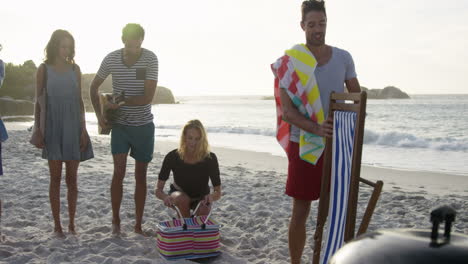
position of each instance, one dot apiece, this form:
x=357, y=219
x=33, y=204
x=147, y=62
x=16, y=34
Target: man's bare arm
x=294, y=117
x=147, y=98
x=353, y=85
x=94, y=94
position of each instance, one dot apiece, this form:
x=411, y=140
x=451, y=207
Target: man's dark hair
x=133, y=31
x=312, y=5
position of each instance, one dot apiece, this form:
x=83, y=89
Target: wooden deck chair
x=341, y=177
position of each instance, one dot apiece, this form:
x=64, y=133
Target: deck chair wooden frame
x=342, y=102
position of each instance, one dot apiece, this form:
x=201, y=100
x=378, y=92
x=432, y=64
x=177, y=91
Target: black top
x=192, y=178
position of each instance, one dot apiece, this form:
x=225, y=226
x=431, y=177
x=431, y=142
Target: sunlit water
x=426, y=133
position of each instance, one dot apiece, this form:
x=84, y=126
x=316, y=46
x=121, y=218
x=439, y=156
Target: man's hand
x=113, y=106
x=326, y=128
x=103, y=122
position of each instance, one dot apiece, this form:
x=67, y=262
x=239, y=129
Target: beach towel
x=342, y=153
x=189, y=238
x=295, y=72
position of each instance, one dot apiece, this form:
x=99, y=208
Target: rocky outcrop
x=17, y=93
x=163, y=96
x=11, y=107
x=389, y=92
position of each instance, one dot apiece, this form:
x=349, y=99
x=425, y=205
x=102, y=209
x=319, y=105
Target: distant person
x=192, y=166
x=335, y=69
x=134, y=72
x=65, y=138
x=3, y=134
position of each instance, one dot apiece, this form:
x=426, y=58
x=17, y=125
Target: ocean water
x=424, y=133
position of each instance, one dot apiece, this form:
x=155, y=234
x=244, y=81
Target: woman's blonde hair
x=203, y=148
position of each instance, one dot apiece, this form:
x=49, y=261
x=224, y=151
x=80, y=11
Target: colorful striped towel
x=342, y=152
x=295, y=72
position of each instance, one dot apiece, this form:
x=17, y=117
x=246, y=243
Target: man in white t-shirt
x=134, y=73
x=335, y=70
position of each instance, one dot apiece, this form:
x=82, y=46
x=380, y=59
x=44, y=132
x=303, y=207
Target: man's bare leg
x=55, y=169
x=72, y=194
x=297, y=229
x=140, y=193
x=120, y=165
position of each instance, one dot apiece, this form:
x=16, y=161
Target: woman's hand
x=169, y=201
x=38, y=139
x=83, y=140
x=207, y=200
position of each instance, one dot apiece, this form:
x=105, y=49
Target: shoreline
x=254, y=210
x=19, y=123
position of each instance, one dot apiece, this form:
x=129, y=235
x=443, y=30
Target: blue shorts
x=138, y=139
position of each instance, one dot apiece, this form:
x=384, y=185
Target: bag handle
x=182, y=219
x=209, y=214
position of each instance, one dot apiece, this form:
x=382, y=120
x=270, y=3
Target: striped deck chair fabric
x=195, y=241
x=342, y=152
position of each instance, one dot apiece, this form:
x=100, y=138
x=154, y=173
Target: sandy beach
x=254, y=210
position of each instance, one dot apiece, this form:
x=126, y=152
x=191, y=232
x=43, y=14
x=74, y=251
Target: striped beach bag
x=189, y=238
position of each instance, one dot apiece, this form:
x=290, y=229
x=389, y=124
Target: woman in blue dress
x=64, y=139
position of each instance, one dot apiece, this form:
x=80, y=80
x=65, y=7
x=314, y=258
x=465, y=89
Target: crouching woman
x=192, y=166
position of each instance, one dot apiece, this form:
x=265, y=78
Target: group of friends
x=64, y=139
x=60, y=127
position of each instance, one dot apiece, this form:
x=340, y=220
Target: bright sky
x=221, y=47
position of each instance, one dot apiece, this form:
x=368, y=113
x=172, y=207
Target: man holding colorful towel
x=304, y=78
